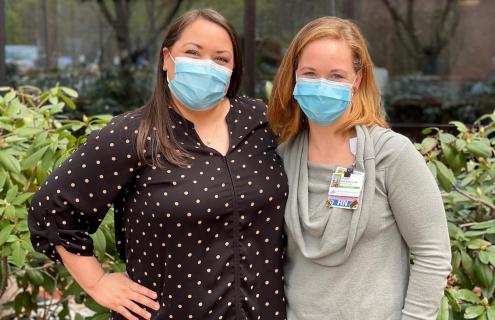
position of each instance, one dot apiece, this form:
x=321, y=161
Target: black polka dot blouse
x=208, y=238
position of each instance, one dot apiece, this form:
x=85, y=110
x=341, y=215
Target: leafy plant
x=35, y=138
x=464, y=165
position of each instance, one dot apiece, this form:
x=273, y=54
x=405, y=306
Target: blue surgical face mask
x=322, y=101
x=199, y=84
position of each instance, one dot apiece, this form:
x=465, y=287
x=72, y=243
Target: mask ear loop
x=353, y=82
x=168, y=81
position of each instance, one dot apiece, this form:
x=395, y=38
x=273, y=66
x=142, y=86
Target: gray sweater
x=354, y=264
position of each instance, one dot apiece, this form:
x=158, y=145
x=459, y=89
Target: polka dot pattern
x=207, y=237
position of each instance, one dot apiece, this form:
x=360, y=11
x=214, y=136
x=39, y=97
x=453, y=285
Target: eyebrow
x=200, y=47
x=313, y=69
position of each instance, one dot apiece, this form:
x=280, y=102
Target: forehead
x=206, y=34
x=326, y=53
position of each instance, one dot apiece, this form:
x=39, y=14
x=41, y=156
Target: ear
x=357, y=82
x=166, y=56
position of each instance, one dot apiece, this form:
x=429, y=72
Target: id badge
x=345, y=187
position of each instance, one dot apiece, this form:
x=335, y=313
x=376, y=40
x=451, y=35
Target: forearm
x=86, y=270
x=425, y=290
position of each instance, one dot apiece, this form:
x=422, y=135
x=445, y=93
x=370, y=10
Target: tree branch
x=443, y=35
x=405, y=28
x=163, y=26
x=106, y=13
x=169, y=17
x=471, y=197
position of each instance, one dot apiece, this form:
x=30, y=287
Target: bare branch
x=169, y=17
x=475, y=199
x=106, y=13
x=405, y=29
x=163, y=26
x=443, y=35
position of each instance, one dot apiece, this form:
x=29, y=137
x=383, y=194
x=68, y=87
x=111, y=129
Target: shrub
x=464, y=165
x=34, y=139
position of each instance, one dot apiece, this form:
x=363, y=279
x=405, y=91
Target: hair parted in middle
x=286, y=117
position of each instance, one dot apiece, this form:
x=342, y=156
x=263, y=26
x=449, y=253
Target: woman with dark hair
x=197, y=187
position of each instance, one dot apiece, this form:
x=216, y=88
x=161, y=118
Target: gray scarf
x=328, y=242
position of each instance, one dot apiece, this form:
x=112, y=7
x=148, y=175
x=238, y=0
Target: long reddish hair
x=286, y=117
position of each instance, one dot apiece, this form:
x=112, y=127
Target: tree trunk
x=3, y=75
x=249, y=47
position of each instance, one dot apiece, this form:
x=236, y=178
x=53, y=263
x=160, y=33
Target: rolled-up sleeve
x=72, y=202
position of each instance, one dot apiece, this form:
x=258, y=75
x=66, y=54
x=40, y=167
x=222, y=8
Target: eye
x=338, y=77
x=222, y=60
x=309, y=74
x=192, y=52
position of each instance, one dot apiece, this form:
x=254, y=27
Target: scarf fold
x=328, y=241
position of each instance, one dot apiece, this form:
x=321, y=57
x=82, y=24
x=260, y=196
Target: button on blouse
x=208, y=237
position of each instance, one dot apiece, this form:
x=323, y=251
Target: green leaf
x=11, y=194
x=3, y=178
x=22, y=300
x=21, y=198
x=35, y=276
x=9, y=162
x=445, y=176
x=70, y=92
x=9, y=212
x=476, y=244
x=474, y=312
x=48, y=283
x=468, y=295
x=428, y=144
x=99, y=241
x=79, y=317
x=4, y=233
x=447, y=138
x=484, y=225
x=490, y=313
x=9, y=96
x=27, y=132
x=491, y=257
x=33, y=159
x=443, y=312
x=484, y=257
x=467, y=264
x=432, y=168
x=453, y=158
x=93, y=305
x=18, y=254
x=483, y=274
x=101, y=316
x=452, y=296
x=73, y=290
x=68, y=102
x=460, y=144
x=454, y=231
x=456, y=260
x=471, y=234
x=426, y=131
x=460, y=126
x=479, y=149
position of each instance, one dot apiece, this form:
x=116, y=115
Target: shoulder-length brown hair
x=156, y=122
x=286, y=117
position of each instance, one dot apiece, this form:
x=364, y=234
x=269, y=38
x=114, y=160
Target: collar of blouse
x=243, y=119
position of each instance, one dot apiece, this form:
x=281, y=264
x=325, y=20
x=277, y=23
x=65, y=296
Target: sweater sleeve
x=418, y=209
x=72, y=202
